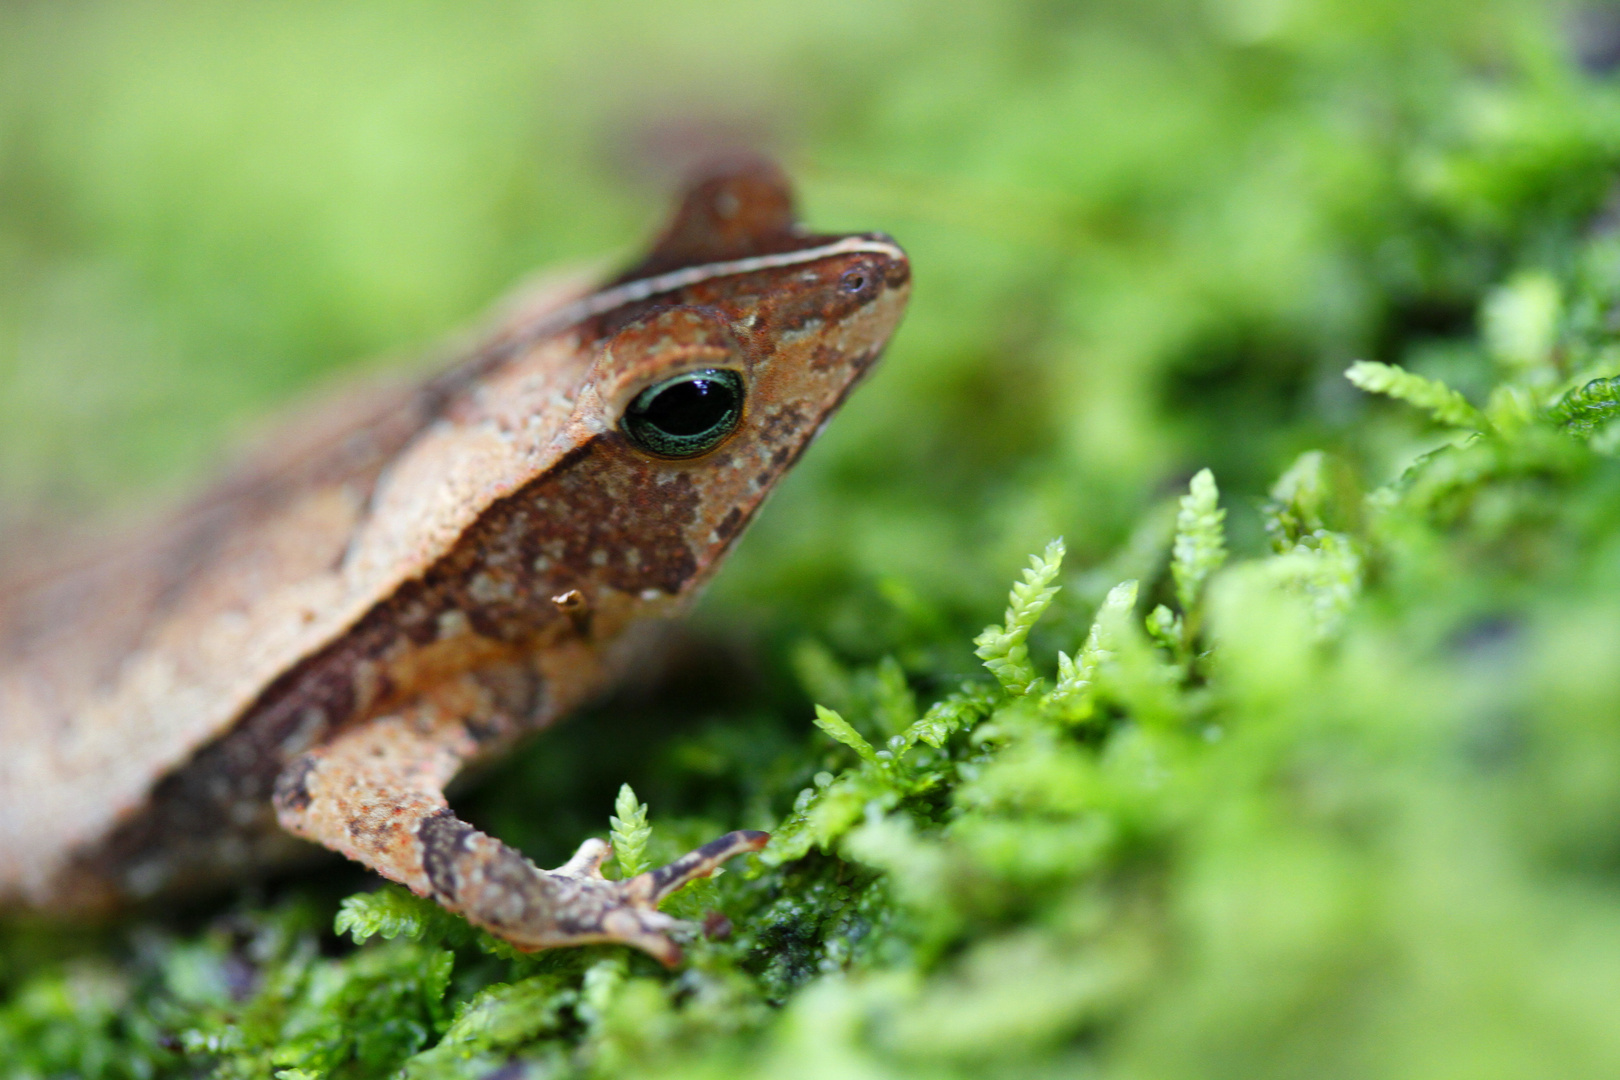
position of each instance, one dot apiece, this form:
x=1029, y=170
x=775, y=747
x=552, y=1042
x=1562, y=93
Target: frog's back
x=119, y=660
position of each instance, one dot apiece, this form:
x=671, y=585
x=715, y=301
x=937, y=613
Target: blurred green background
x=1148, y=237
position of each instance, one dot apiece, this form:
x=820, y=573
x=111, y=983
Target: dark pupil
x=686, y=415
x=689, y=408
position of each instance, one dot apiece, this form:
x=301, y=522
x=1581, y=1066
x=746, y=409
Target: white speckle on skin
x=650, y=595
x=311, y=722
x=489, y=589
x=599, y=557
x=453, y=624
x=793, y=337
x=147, y=878
x=632, y=558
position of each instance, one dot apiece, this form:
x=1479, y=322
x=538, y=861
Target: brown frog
x=410, y=580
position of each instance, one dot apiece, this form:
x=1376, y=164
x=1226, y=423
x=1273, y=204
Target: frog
x=403, y=583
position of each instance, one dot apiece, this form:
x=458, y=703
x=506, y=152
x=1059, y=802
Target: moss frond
x=1200, y=545
x=1003, y=648
x=1589, y=408
x=1436, y=398
x=629, y=833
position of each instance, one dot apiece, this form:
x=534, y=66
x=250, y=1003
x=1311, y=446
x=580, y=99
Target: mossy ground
x=1332, y=790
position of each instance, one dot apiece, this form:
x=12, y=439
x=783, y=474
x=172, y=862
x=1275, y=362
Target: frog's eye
x=687, y=415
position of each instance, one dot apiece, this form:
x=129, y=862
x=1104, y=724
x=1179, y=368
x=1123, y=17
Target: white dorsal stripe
x=630, y=292
x=605, y=300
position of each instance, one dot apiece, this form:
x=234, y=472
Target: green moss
x=1314, y=773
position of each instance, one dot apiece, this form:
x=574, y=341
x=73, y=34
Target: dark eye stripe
x=686, y=415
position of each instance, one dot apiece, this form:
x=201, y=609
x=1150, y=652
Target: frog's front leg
x=376, y=794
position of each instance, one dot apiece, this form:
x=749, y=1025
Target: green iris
x=687, y=415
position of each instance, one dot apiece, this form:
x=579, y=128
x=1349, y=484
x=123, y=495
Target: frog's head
x=722, y=355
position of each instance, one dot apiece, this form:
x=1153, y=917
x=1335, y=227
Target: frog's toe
x=655, y=885
x=636, y=920
x=626, y=912
x=587, y=861
x=646, y=929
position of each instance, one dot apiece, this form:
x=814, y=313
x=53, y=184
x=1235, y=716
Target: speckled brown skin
x=417, y=578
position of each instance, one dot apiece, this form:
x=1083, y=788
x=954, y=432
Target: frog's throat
x=599, y=303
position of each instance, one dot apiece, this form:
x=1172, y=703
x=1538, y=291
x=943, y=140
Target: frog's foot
x=581, y=905
x=376, y=794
